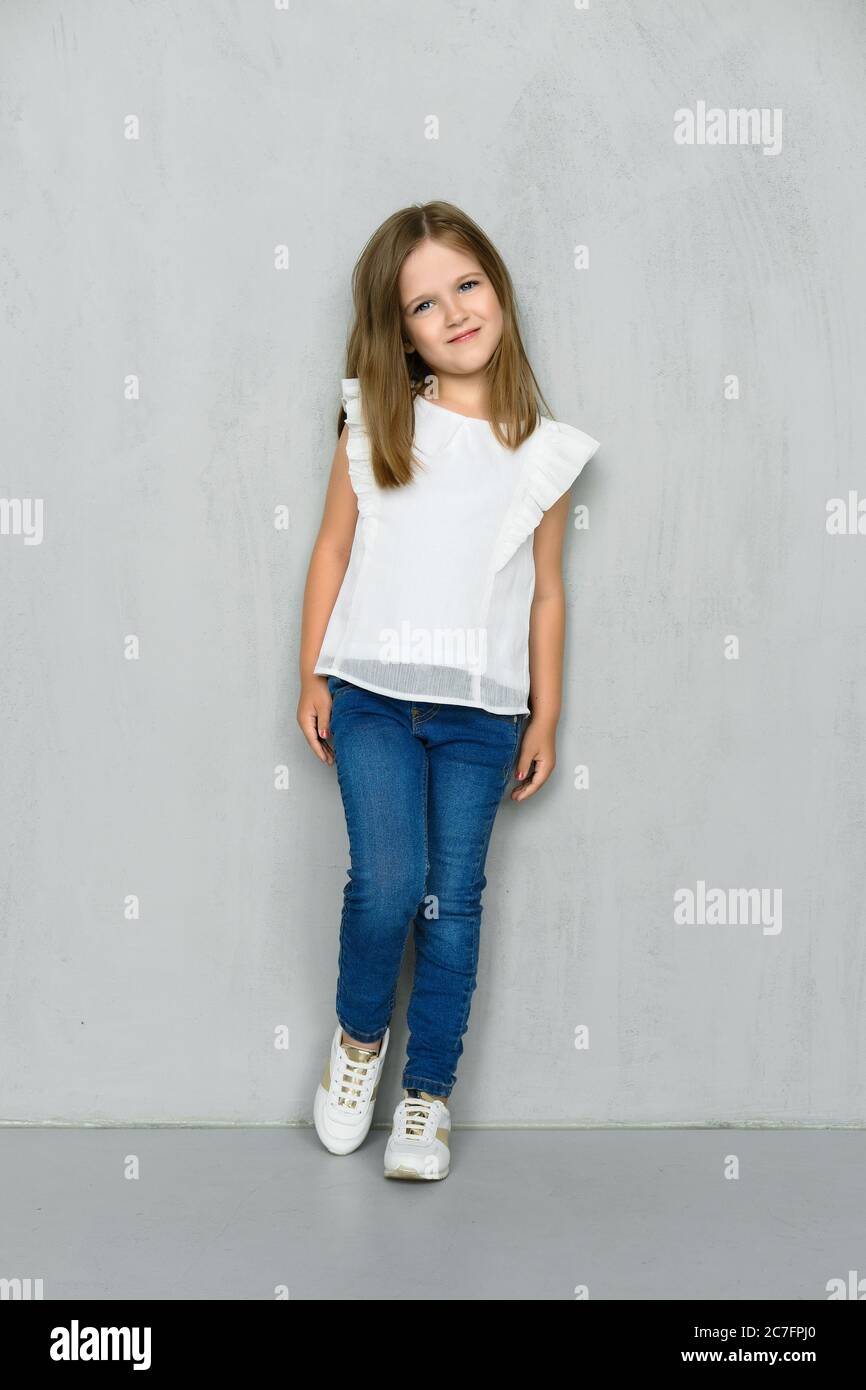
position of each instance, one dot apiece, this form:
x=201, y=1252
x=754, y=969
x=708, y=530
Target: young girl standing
x=431, y=648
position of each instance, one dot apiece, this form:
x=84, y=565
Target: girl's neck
x=464, y=396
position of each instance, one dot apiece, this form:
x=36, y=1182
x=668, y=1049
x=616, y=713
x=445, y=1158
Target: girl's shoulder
x=555, y=454
x=562, y=449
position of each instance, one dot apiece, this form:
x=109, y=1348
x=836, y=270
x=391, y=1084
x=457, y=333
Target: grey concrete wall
x=167, y=387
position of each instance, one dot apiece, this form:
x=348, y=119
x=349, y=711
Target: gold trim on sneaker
x=359, y=1054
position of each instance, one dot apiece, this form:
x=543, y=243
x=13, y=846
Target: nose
x=454, y=315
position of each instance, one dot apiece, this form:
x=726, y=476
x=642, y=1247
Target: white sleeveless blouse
x=435, y=602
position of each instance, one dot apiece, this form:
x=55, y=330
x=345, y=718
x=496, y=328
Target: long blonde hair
x=390, y=378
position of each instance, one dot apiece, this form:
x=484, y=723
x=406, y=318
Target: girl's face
x=445, y=296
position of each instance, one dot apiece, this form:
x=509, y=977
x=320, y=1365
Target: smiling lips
x=464, y=337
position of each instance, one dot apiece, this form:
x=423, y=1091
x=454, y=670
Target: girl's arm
x=546, y=642
x=328, y=565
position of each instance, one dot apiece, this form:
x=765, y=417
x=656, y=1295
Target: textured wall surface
x=174, y=855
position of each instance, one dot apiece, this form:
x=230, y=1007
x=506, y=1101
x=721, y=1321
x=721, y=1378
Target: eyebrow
x=419, y=298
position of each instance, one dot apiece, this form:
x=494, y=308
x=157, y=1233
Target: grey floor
x=524, y=1214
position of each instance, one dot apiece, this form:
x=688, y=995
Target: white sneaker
x=418, y=1147
x=346, y=1096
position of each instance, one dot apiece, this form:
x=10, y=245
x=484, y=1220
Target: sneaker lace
x=353, y=1082
x=414, y=1117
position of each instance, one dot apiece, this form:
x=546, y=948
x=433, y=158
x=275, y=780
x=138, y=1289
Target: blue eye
x=429, y=301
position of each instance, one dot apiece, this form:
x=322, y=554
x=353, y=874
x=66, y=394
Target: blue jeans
x=421, y=785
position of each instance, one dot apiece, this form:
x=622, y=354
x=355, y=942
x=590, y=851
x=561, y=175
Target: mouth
x=465, y=337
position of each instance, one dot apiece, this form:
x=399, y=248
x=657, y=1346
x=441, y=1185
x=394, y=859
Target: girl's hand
x=538, y=743
x=314, y=714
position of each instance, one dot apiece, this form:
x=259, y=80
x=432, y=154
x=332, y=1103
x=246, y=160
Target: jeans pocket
x=336, y=686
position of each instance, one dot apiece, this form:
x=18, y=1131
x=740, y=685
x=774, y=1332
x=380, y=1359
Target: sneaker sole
x=411, y=1174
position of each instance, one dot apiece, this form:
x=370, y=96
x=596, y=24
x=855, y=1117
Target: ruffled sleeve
x=556, y=455
x=358, y=448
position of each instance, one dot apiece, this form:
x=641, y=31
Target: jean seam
x=522, y=720
x=426, y=1083
x=470, y=987
x=359, y=1033
x=340, y=956
x=424, y=790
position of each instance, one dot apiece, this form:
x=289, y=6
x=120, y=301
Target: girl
x=431, y=648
